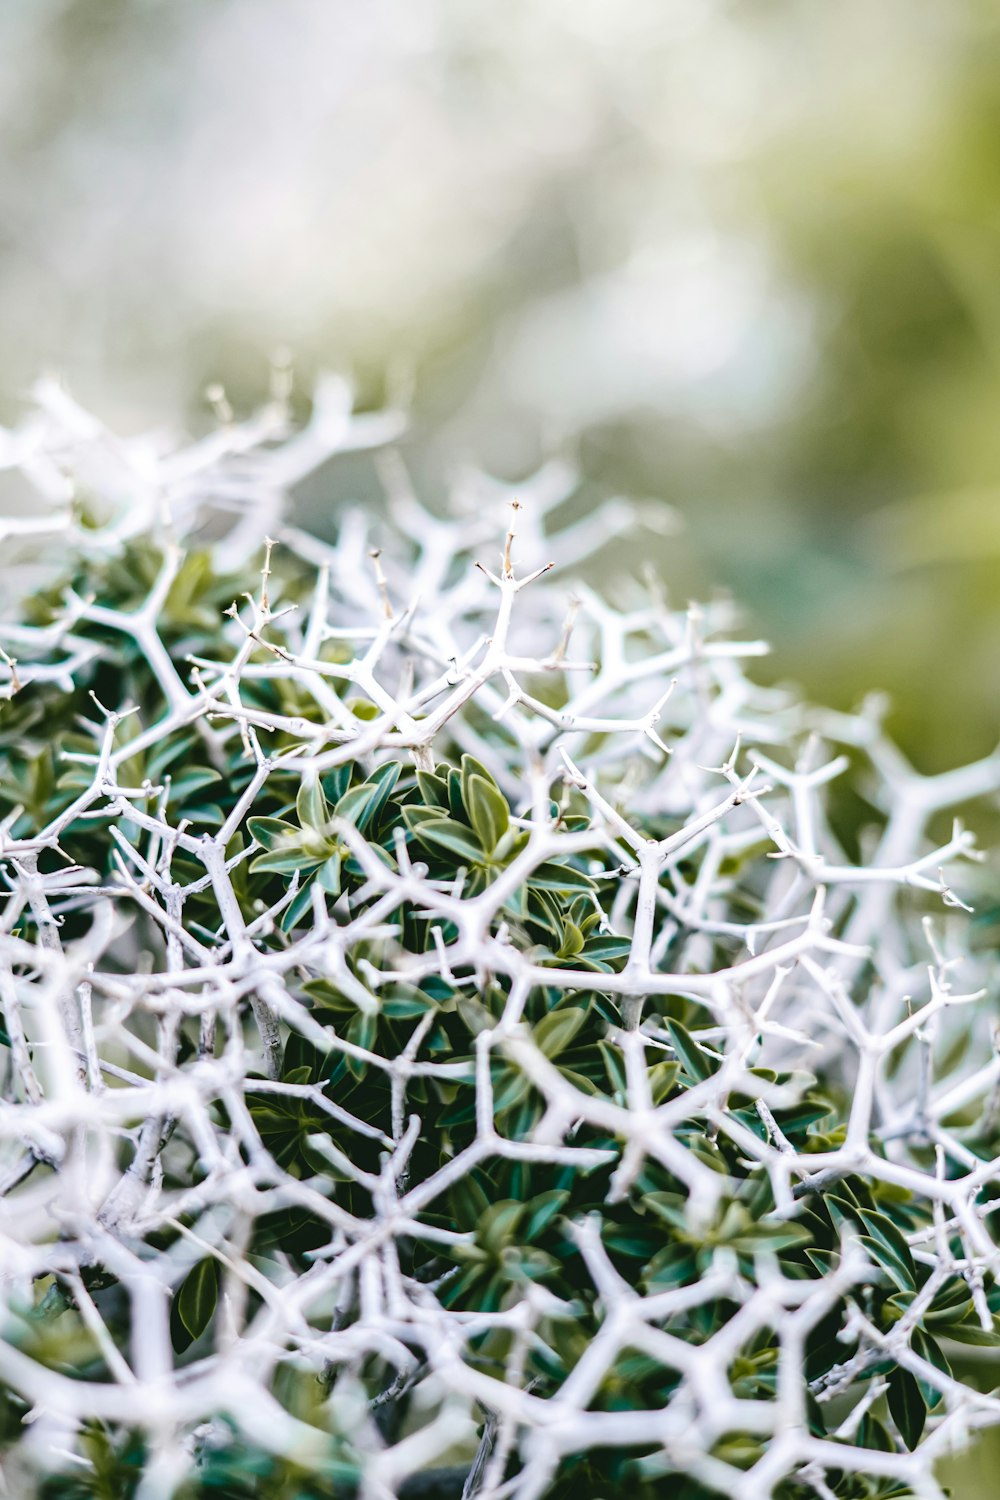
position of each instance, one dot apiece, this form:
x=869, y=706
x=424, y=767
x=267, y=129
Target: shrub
x=462, y=1039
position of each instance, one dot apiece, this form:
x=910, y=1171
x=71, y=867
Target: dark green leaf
x=882, y=1229
x=928, y=1349
x=197, y=1296
x=906, y=1405
x=543, y=1209
x=300, y=903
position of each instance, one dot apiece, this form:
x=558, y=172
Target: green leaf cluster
x=507, y=1225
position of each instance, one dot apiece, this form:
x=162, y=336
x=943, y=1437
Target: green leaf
x=696, y=1064
x=363, y=804
x=873, y=1434
x=192, y=780
x=928, y=1349
x=470, y=767
x=825, y=1261
x=662, y=1077
x=968, y=1333
x=196, y=1298
x=608, y=948
x=406, y=1005
x=487, y=809
x=906, y=1405
x=614, y=1066
x=336, y=782
x=163, y=755
x=552, y=876
x=771, y=1236
x=298, y=1075
x=311, y=807
x=882, y=1229
x=468, y=1203
x=888, y=1262
x=283, y=861
x=952, y=1302
x=355, y=806
x=540, y=907
x=801, y=1116
x=842, y=1212
x=363, y=708
x=511, y=1089
x=272, y=833
x=456, y=806
x=814, y=1416
x=329, y=875
x=555, y=1031
x=328, y=996
x=542, y=1209
x=636, y=1241
x=668, y=1206
x=361, y=1031
x=433, y=789
x=445, y=834
x=300, y=903
x=496, y=1226
x=674, y=1266
x=580, y=1081
x=572, y=941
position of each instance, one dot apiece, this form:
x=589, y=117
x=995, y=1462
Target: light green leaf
x=444, y=834
x=969, y=1333
x=775, y=1236
x=487, y=809
x=572, y=941
x=554, y=1032
x=311, y=806
x=433, y=789
x=284, y=861
x=272, y=833
x=473, y=767
x=497, y=1224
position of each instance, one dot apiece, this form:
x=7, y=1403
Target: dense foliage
x=439, y=1061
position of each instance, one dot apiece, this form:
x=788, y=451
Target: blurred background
x=740, y=258
x=743, y=258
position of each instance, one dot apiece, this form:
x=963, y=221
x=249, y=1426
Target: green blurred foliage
x=546, y=218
